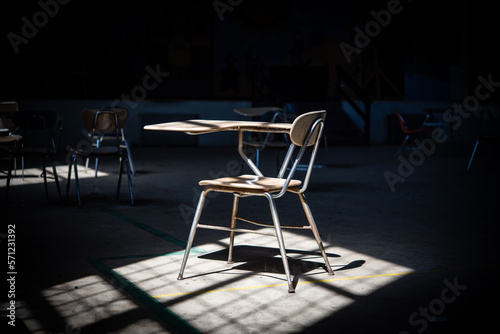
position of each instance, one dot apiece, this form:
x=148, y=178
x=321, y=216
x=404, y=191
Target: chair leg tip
x=291, y=289
x=179, y=278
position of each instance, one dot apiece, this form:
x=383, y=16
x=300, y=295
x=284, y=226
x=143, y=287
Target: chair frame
x=483, y=136
x=120, y=135
x=311, y=139
x=260, y=145
x=37, y=121
x=409, y=132
x=99, y=152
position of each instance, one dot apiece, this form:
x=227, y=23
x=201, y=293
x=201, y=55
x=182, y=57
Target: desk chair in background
x=434, y=117
x=38, y=140
x=278, y=142
x=103, y=121
x=412, y=133
x=7, y=110
x=305, y=133
x=98, y=138
x=488, y=135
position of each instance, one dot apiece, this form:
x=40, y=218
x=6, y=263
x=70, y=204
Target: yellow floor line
x=282, y=284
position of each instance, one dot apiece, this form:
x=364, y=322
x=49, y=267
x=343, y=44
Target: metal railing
x=349, y=91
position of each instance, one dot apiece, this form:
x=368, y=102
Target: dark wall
x=251, y=49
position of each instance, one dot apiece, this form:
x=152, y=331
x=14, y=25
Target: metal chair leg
x=473, y=153
x=129, y=155
x=15, y=166
x=44, y=173
x=233, y=225
x=315, y=231
x=281, y=243
x=9, y=176
x=68, y=181
x=119, y=178
x=194, y=227
x=97, y=159
x=402, y=146
x=452, y=139
x=125, y=163
x=130, y=188
x=56, y=179
x=77, y=182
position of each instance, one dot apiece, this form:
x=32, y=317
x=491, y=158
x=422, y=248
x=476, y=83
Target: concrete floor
x=420, y=259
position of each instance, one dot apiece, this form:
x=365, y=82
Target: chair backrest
x=305, y=132
x=272, y=116
x=303, y=124
x=401, y=121
x=8, y=107
x=36, y=128
x=104, y=120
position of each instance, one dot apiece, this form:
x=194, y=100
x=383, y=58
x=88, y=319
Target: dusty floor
x=420, y=259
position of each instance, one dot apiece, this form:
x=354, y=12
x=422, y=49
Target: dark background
x=99, y=49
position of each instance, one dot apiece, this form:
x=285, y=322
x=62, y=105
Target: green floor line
x=169, y=318
x=150, y=229
x=141, y=256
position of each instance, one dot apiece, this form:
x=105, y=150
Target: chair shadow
x=245, y=253
x=352, y=265
x=263, y=260
x=18, y=176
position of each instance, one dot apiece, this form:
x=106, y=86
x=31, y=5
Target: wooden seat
x=251, y=182
x=305, y=133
